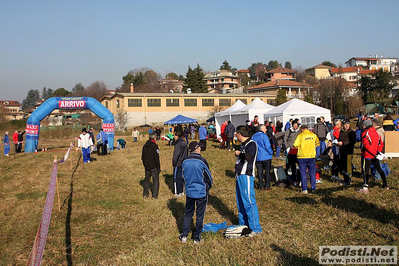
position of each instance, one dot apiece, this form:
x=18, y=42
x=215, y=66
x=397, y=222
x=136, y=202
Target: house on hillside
x=171, y=85
x=222, y=81
x=293, y=89
x=281, y=73
x=319, y=71
x=373, y=63
x=10, y=110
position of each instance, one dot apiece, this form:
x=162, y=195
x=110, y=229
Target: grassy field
x=104, y=219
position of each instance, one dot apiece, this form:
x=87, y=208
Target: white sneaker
x=364, y=190
x=6, y=154
x=319, y=181
x=183, y=239
x=304, y=192
x=254, y=234
x=88, y=161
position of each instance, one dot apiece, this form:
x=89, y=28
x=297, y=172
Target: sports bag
x=237, y=231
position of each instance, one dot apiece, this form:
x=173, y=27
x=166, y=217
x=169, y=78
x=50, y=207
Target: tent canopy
x=295, y=108
x=236, y=106
x=180, y=119
x=256, y=105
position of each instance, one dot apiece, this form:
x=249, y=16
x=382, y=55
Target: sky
x=58, y=44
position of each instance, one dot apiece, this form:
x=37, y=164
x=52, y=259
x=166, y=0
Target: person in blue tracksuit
x=6, y=141
x=248, y=213
x=84, y=142
x=198, y=181
x=203, y=134
x=264, y=158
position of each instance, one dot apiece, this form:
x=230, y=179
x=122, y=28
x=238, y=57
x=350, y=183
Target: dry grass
x=105, y=221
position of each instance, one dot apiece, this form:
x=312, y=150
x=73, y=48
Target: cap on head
x=194, y=145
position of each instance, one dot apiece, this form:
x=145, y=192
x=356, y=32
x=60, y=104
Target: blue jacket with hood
x=197, y=176
x=265, y=151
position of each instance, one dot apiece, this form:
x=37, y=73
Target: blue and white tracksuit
x=84, y=142
x=248, y=213
x=6, y=142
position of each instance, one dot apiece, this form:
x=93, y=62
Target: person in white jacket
x=84, y=142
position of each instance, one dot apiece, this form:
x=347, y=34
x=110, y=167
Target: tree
x=78, y=90
x=150, y=76
x=281, y=96
x=376, y=89
x=273, y=64
x=252, y=69
x=60, y=92
x=225, y=66
x=330, y=92
x=195, y=80
x=46, y=93
x=172, y=75
x=328, y=63
x=121, y=118
x=181, y=78
x=288, y=65
x=309, y=98
x=30, y=100
x=96, y=90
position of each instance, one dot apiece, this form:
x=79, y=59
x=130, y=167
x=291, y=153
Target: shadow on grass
x=177, y=209
x=286, y=258
x=169, y=182
x=68, y=231
x=230, y=173
x=222, y=209
x=302, y=200
x=363, y=208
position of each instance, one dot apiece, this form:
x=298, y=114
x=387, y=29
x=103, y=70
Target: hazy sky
x=60, y=43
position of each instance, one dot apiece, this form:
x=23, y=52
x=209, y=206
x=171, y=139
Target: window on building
x=117, y=104
x=153, y=102
x=172, y=102
x=208, y=102
x=308, y=120
x=134, y=103
x=106, y=105
x=243, y=100
x=190, y=102
x=224, y=102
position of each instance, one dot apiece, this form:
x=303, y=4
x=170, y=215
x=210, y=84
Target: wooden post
x=70, y=154
x=58, y=192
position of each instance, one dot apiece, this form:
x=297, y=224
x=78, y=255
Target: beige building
x=319, y=71
x=155, y=108
x=10, y=110
x=222, y=80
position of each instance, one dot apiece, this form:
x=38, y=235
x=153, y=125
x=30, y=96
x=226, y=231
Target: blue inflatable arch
x=33, y=123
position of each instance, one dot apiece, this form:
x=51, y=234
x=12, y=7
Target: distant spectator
x=203, y=134
x=158, y=131
x=152, y=166
x=84, y=142
x=264, y=158
x=20, y=140
x=179, y=153
x=229, y=131
x=388, y=124
x=102, y=141
x=288, y=124
x=121, y=143
x=135, y=134
x=6, y=141
x=321, y=131
x=15, y=139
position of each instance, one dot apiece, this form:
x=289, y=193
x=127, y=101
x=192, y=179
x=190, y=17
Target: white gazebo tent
x=307, y=113
x=226, y=114
x=257, y=107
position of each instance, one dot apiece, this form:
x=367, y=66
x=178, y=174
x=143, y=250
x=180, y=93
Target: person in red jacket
x=15, y=139
x=223, y=135
x=371, y=148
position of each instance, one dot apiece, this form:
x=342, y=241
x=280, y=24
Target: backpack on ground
x=237, y=231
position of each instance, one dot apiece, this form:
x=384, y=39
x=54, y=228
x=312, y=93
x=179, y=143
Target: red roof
x=10, y=103
x=345, y=69
x=367, y=72
x=279, y=83
x=282, y=70
x=243, y=70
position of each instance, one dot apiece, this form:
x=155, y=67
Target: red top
x=371, y=142
x=15, y=137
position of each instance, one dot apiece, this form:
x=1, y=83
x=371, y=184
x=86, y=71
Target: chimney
x=131, y=88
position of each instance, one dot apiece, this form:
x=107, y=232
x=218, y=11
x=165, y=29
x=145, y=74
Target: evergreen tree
x=225, y=66
x=78, y=90
x=281, y=96
x=60, y=92
x=30, y=100
x=328, y=63
x=288, y=65
x=195, y=80
x=273, y=64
